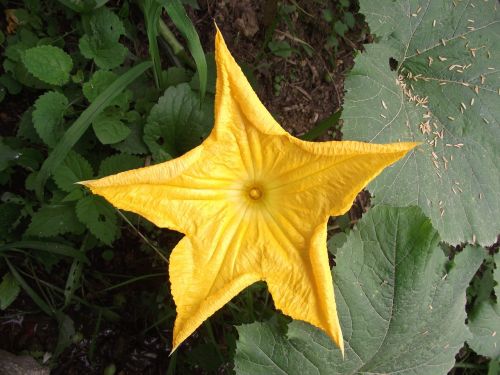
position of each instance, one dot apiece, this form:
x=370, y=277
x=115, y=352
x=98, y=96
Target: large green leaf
x=176, y=123
x=484, y=322
x=444, y=93
x=401, y=305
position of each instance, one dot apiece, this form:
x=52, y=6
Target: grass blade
x=179, y=17
x=152, y=12
x=79, y=127
x=33, y=295
x=51, y=247
x=321, y=127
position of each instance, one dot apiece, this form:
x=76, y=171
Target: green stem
x=130, y=281
x=172, y=41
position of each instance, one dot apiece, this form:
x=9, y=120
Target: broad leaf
x=444, y=93
x=55, y=219
x=48, y=115
x=99, y=217
x=74, y=168
x=401, y=311
x=176, y=123
x=49, y=64
x=484, y=322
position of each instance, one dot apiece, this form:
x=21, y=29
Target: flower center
x=255, y=193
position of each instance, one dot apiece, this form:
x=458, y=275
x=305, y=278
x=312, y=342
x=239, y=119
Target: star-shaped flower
x=253, y=203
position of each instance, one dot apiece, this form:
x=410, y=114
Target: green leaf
x=109, y=128
x=280, y=48
x=101, y=42
x=400, y=303
x=75, y=168
x=119, y=163
x=133, y=144
x=484, y=322
x=175, y=75
x=79, y=127
x=52, y=220
x=9, y=290
x=179, y=17
x=7, y=155
x=447, y=57
x=101, y=80
x=99, y=217
x=176, y=123
x=48, y=116
x=49, y=64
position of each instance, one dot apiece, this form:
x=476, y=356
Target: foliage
x=92, y=88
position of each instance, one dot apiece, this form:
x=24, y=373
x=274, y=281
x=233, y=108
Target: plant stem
x=172, y=41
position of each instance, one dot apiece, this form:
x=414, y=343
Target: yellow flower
x=253, y=203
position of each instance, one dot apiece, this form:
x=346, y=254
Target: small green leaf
x=49, y=64
x=99, y=82
x=109, y=128
x=99, y=217
x=7, y=155
x=48, y=115
x=400, y=303
x=52, y=220
x=176, y=123
x=101, y=42
x=119, y=163
x=280, y=48
x=75, y=168
x=9, y=290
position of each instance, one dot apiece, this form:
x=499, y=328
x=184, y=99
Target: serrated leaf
x=109, y=128
x=133, y=144
x=101, y=42
x=54, y=219
x=99, y=217
x=119, y=163
x=400, y=311
x=176, y=123
x=484, y=322
x=48, y=115
x=49, y=64
x=99, y=82
x=447, y=57
x=74, y=168
x=9, y=290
